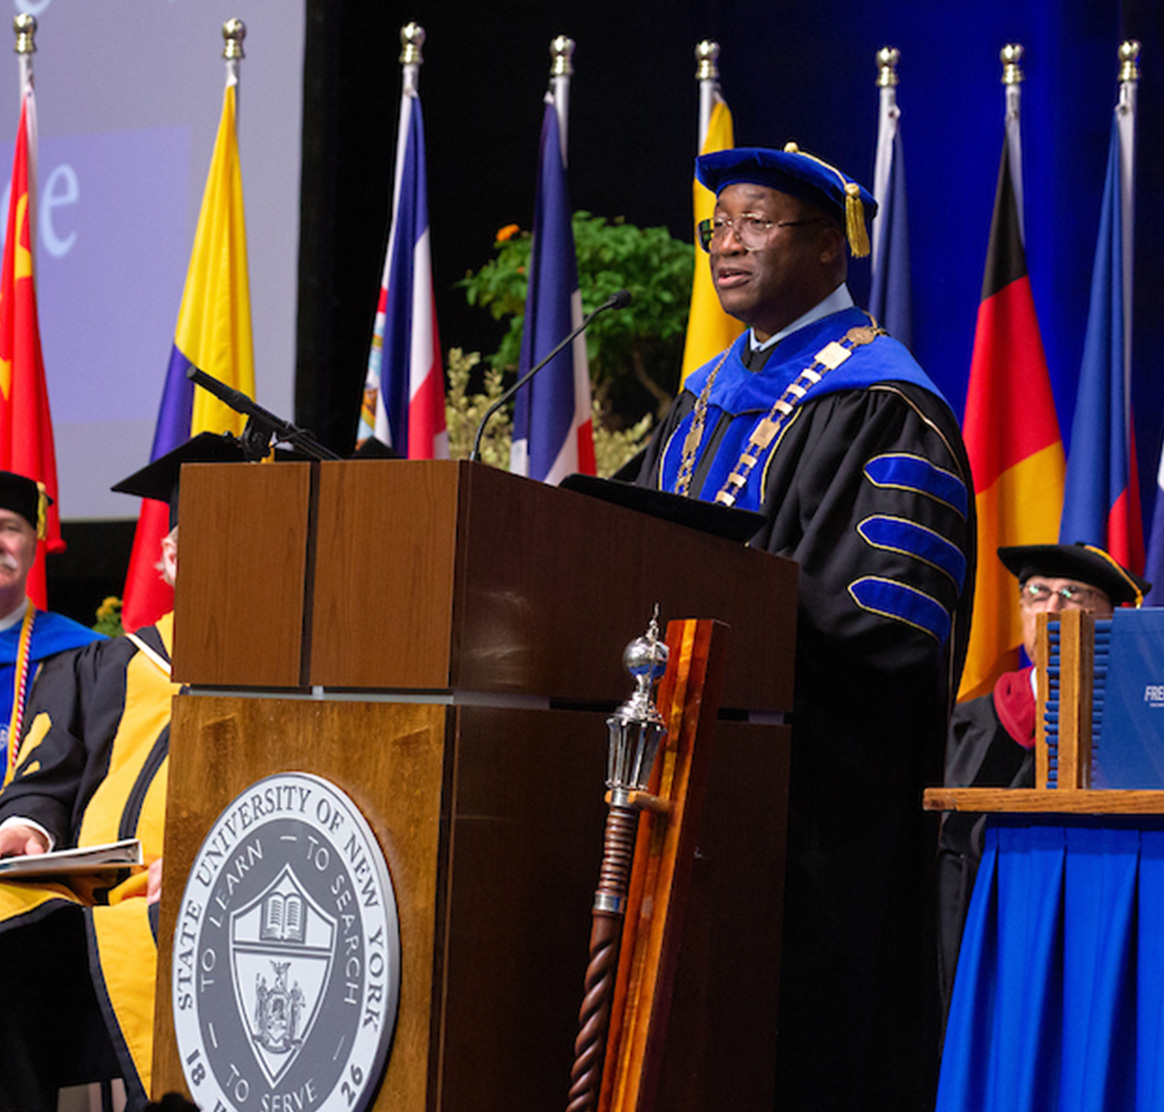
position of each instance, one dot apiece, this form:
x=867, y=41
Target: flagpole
x=887, y=80
x=25, y=27
x=233, y=33
x=412, y=37
x=1129, y=77
x=1011, y=57
x=561, y=70
x=707, y=74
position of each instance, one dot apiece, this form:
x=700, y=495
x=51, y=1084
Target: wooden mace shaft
x=605, y=933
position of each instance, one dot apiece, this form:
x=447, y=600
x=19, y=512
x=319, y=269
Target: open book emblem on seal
x=281, y=946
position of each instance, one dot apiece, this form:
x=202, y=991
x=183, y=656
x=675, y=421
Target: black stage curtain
x=351, y=84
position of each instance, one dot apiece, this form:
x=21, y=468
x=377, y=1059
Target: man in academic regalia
x=817, y=419
x=992, y=738
x=78, y=965
x=28, y=636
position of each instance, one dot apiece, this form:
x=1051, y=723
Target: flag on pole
x=891, y=295
x=213, y=333
x=1101, y=501
x=709, y=329
x=1154, y=560
x=404, y=392
x=26, y=431
x=552, y=430
x=1011, y=432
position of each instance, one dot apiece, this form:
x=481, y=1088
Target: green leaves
x=634, y=353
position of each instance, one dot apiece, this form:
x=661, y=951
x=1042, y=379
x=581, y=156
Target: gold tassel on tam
x=855, y=230
x=855, y=221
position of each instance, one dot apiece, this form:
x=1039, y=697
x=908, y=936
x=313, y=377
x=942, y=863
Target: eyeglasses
x=751, y=229
x=1075, y=597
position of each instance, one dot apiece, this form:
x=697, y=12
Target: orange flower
x=508, y=232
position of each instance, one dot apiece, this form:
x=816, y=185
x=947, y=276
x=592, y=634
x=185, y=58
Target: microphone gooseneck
x=620, y=299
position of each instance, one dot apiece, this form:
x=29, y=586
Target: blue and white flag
x=891, y=296
x=404, y=392
x=552, y=432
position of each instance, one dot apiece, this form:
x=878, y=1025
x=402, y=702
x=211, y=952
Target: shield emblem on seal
x=281, y=948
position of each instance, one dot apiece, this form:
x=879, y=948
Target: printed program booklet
x=112, y=857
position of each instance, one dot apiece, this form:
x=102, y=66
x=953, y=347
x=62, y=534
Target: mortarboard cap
x=159, y=479
x=26, y=497
x=1083, y=562
x=372, y=448
x=801, y=175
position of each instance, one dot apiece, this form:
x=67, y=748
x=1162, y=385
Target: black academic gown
x=93, y=769
x=868, y=488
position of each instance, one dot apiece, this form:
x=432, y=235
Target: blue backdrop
x=819, y=92
x=800, y=69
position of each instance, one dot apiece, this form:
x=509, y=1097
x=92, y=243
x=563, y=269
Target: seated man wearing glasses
x=992, y=738
x=821, y=422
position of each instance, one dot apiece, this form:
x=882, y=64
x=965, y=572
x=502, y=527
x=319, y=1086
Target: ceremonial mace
x=634, y=732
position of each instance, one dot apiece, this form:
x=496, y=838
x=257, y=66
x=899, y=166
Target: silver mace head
x=636, y=728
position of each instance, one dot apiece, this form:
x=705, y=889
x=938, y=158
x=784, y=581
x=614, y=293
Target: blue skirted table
x=1058, y=1002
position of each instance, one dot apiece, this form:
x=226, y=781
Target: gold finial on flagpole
x=233, y=33
x=1012, y=58
x=412, y=38
x=562, y=57
x=1129, y=60
x=887, y=59
x=25, y=27
x=706, y=57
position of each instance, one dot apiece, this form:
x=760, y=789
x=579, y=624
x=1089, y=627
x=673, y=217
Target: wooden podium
x=443, y=641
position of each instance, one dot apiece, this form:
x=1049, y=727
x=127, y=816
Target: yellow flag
x=214, y=322
x=709, y=328
x=213, y=333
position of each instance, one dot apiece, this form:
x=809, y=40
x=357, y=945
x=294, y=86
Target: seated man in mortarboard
x=821, y=422
x=77, y=967
x=992, y=738
x=28, y=636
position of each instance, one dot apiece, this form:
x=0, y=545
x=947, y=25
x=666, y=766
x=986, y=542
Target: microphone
x=261, y=423
x=235, y=399
x=620, y=299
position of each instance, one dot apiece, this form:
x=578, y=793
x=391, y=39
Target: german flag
x=1012, y=436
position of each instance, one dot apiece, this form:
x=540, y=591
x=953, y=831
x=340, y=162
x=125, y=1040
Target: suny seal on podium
x=286, y=966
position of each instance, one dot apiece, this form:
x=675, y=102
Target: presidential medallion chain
x=695, y=433
x=831, y=356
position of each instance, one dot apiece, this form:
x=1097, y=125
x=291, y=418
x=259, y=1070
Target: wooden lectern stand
x=443, y=641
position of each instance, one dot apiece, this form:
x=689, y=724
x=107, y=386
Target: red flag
x=1012, y=437
x=26, y=430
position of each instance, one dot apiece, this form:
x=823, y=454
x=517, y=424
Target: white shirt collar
x=9, y=620
x=839, y=299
